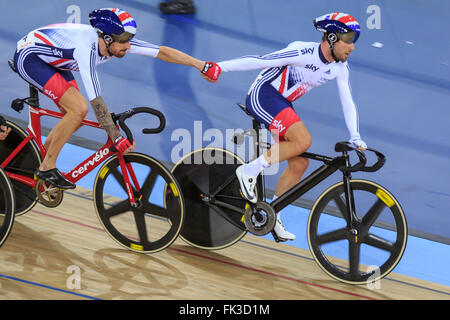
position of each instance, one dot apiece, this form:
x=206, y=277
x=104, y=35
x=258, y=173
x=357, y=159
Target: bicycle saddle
x=11, y=65
x=244, y=108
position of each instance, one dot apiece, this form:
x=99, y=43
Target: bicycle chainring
x=260, y=219
x=48, y=195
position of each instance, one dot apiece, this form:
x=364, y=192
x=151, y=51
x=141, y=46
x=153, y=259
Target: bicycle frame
x=82, y=169
x=330, y=166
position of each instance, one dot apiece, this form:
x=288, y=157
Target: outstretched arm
x=171, y=55
x=288, y=55
x=209, y=70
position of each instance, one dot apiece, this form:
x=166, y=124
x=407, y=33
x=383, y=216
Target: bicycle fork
x=350, y=202
x=128, y=169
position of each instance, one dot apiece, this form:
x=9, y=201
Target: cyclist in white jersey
x=46, y=56
x=288, y=74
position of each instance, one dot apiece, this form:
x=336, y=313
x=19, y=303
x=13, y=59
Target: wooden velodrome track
x=46, y=244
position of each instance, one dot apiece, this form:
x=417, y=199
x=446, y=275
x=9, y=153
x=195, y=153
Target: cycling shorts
x=51, y=81
x=270, y=108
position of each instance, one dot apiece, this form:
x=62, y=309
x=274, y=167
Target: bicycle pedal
x=277, y=239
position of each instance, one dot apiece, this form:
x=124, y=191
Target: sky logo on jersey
x=277, y=124
x=307, y=50
x=50, y=94
x=312, y=67
x=57, y=53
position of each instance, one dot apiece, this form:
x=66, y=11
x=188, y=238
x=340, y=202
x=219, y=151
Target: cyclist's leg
x=76, y=108
x=297, y=140
x=277, y=114
x=270, y=108
x=293, y=139
x=74, y=84
x=264, y=103
x=58, y=86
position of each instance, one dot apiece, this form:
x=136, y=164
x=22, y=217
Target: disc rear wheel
x=209, y=225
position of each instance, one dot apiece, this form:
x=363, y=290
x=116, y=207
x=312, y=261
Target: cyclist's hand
x=4, y=131
x=359, y=143
x=131, y=148
x=122, y=144
x=208, y=78
x=211, y=71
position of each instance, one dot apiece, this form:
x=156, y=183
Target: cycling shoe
x=55, y=178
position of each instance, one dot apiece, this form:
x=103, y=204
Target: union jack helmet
x=338, y=23
x=113, y=22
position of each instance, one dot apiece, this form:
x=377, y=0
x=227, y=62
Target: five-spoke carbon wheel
x=369, y=249
x=156, y=221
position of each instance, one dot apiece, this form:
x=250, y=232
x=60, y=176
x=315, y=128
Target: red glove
x=121, y=144
x=211, y=70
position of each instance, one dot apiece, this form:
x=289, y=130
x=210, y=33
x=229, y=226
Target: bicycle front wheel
x=374, y=249
x=7, y=205
x=158, y=218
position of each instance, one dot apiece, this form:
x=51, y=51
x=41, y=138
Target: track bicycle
x=136, y=198
x=356, y=229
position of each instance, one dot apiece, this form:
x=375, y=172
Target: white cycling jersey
x=297, y=69
x=74, y=47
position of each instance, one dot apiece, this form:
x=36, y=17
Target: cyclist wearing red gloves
x=46, y=56
x=287, y=75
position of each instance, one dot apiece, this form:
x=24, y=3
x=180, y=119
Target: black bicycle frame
x=330, y=166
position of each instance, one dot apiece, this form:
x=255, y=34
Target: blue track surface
x=402, y=89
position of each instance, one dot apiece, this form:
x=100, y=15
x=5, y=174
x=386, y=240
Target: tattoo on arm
x=104, y=118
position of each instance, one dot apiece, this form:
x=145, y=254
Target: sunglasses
x=123, y=38
x=348, y=37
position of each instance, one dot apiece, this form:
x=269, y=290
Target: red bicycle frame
x=81, y=170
